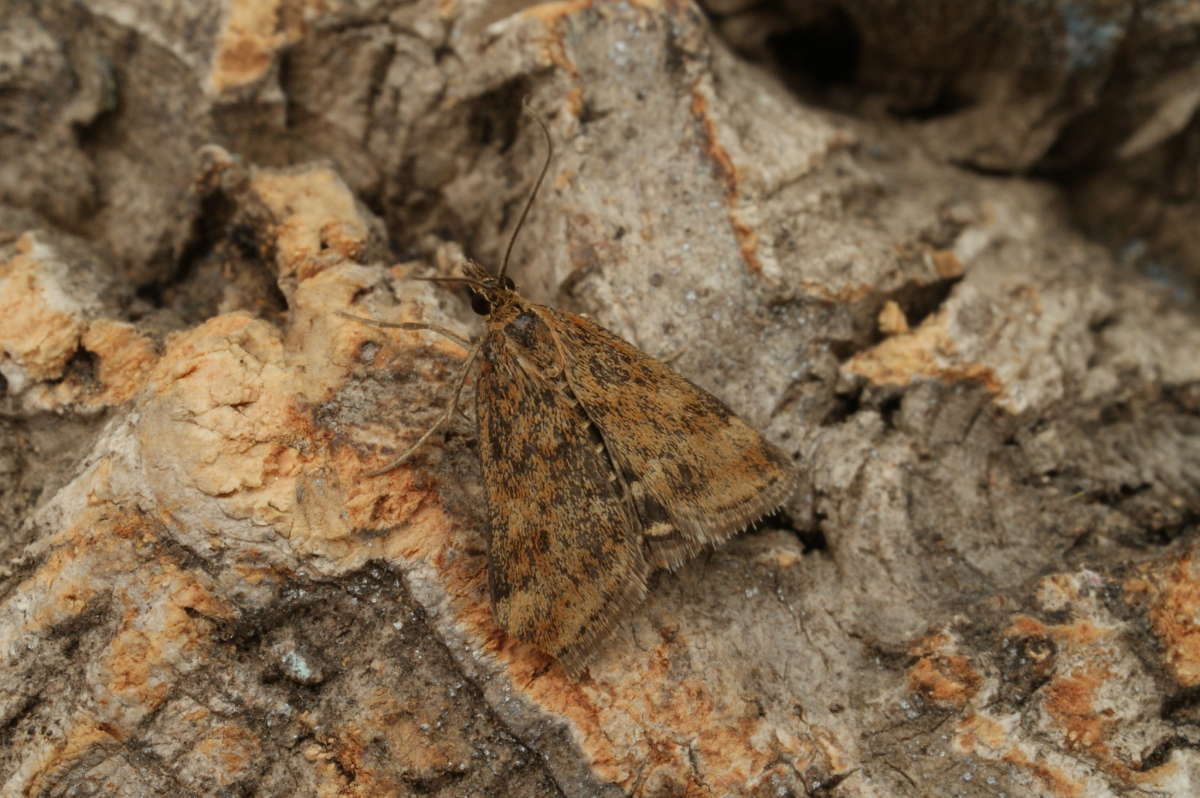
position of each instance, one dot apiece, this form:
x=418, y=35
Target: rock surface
x=986, y=583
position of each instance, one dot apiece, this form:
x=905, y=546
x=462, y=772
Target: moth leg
x=442, y=419
x=410, y=325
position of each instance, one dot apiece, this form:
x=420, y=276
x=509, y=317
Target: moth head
x=487, y=290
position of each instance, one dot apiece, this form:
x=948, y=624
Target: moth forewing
x=698, y=473
x=565, y=554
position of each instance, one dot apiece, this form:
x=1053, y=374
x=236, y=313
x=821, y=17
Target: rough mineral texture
x=943, y=254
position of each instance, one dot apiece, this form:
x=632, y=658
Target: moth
x=600, y=464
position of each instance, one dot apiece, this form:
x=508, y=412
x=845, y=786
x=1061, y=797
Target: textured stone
x=985, y=582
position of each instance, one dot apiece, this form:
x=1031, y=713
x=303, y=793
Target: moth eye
x=508, y=284
x=480, y=304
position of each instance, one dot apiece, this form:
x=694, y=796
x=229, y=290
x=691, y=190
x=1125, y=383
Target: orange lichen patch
x=187, y=597
x=227, y=753
x=409, y=728
x=74, y=571
x=317, y=223
x=1172, y=777
x=319, y=522
x=197, y=715
x=992, y=738
x=1073, y=695
x=832, y=751
x=1055, y=780
x=849, y=292
x=347, y=337
x=552, y=17
x=946, y=264
x=252, y=33
x=574, y=103
x=1174, y=596
x=727, y=173
x=123, y=361
x=125, y=356
x=80, y=739
x=928, y=352
x=981, y=734
x=256, y=574
x=345, y=773
x=686, y=735
x=40, y=326
x=1058, y=591
x=666, y=754
x=553, y=13
x=59, y=590
x=941, y=675
x=160, y=613
x=331, y=780
x=783, y=553
x=892, y=320
x=322, y=347
x=222, y=419
x=396, y=498
x=162, y=627
x=1024, y=626
x=1082, y=633
x=1070, y=700
x=562, y=179
x=945, y=679
x=333, y=502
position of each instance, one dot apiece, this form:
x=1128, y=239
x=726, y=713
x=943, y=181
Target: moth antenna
x=532, y=194
x=411, y=325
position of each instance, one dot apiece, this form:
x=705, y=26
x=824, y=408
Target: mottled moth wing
x=697, y=473
x=565, y=555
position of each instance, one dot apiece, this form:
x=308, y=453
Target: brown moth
x=600, y=464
